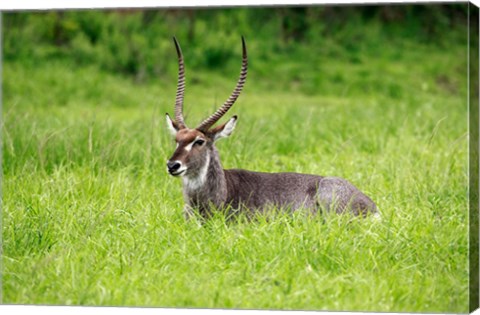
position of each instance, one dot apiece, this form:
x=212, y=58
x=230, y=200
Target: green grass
x=90, y=216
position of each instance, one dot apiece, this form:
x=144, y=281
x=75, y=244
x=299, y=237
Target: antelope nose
x=173, y=166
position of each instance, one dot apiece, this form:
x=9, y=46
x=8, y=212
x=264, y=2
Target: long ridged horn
x=180, y=87
x=207, y=123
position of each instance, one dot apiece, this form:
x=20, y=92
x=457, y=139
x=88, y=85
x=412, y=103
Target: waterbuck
x=208, y=187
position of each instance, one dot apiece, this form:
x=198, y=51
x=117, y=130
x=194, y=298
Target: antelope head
x=191, y=157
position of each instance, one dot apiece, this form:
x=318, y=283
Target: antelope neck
x=209, y=179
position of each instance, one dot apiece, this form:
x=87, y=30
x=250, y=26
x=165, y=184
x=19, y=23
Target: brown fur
x=250, y=192
x=208, y=187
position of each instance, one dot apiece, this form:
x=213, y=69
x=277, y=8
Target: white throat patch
x=194, y=183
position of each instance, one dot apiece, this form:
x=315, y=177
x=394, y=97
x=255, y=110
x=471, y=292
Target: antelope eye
x=199, y=142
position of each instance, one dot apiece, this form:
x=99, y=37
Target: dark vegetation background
x=137, y=43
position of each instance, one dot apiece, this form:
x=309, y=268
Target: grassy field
x=90, y=216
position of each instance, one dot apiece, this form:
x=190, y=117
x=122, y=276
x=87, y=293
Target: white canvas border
x=76, y=4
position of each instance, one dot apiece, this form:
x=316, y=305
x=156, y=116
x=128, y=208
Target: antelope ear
x=172, y=126
x=224, y=130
